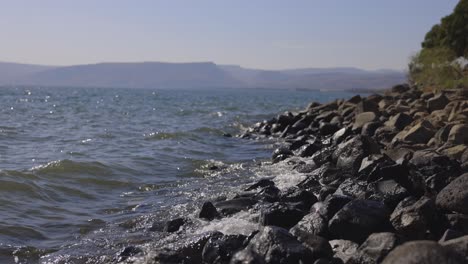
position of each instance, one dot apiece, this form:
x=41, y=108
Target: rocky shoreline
x=385, y=181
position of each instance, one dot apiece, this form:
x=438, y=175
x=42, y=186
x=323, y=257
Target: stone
x=174, y=225
x=332, y=204
x=358, y=219
x=458, y=134
x=363, y=118
x=400, y=88
x=309, y=149
x=299, y=196
x=319, y=246
x=388, y=191
x=235, y=205
x=458, y=245
x=208, y=211
x=427, y=252
x=349, y=154
x=420, y=133
x=366, y=106
x=375, y=248
x=399, y=121
x=273, y=245
x=260, y=184
x=351, y=188
x=454, y=197
x=340, y=135
x=219, y=249
x=281, y=153
x=450, y=234
x=369, y=128
x=313, y=223
x=127, y=252
x=413, y=218
x=280, y=215
x=343, y=249
x=437, y=102
x=455, y=152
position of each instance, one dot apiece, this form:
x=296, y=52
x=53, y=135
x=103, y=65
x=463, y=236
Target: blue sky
x=268, y=34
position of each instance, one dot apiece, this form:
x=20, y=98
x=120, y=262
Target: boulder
x=313, y=224
x=388, y=191
x=349, y=154
x=363, y=118
x=208, y=212
x=458, y=134
x=375, y=248
x=174, y=225
x=413, y=218
x=358, y=219
x=366, y=106
x=280, y=215
x=458, y=245
x=234, y=205
x=219, y=249
x=420, y=133
x=454, y=197
x=281, y=153
x=319, y=246
x=260, y=184
x=437, y=102
x=343, y=249
x=273, y=245
x=399, y=121
x=427, y=252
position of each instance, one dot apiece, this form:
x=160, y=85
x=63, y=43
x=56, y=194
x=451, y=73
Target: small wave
x=72, y=167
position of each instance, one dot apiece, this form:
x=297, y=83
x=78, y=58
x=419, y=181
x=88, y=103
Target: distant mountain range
x=195, y=75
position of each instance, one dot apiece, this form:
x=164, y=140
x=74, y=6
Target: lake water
x=88, y=171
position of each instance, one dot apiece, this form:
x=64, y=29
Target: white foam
x=240, y=223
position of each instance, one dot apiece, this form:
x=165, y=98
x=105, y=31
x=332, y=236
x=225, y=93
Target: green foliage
x=431, y=68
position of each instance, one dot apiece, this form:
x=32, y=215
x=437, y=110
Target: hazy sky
x=269, y=34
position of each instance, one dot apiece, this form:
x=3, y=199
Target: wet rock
x=428, y=252
x=323, y=156
x=174, y=225
x=325, y=191
x=358, y=219
x=296, y=144
x=273, y=245
x=313, y=224
x=399, y=121
x=343, y=249
x=208, y=211
x=303, y=199
x=454, y=197
x=234, y=205
x=305, y=167
x=269, y=194
x=219, y=249
x=458, y=134
x=280, y=215
x=364, y=118
x=260, y=184
x=327, y=175
x=185, y=251
x=127, y=252
x=331, y=205
x=414, y=218
x=280, y=154
x=437, y=102
x=309, y=149
x=340, y=135
x=352, y=188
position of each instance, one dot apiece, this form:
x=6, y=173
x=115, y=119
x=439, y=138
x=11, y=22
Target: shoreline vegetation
x=385, y=181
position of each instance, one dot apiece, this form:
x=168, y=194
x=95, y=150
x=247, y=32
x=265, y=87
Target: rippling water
x=86, y=171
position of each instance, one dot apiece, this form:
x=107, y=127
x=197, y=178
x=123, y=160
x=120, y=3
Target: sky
x=265, y=34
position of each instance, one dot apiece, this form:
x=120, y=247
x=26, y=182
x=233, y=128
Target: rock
x=455, y=152
x=313, y=224
x=458, y=245
x=458, y=222
x=235, y=205
x=343, y=249
x=388, y=191
x=366, y=106
x=273, y=245
x=328, y=128
x=296, y=144
x=413, y=219
x=369, y=128
x=174, y=225
x=333, y=203
x=358, y=219
x=219, y=249
x=458, y=134
x=127, y=252
x=427, y=252
x=208, y=211
x=281, y=153
x=450, y=234
x=260, y=184
x=399, y=121
x=400, y=88
x=309, y=149
x=349, y=154
x=454, y=197
x=437, y=102
x=280, y=215
x=351, y=188
x=298, y=196
x=355, y=99
x=340, y=135
x=363, y=118
x=420, y=133
x=375, y=248
x=319, y=246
